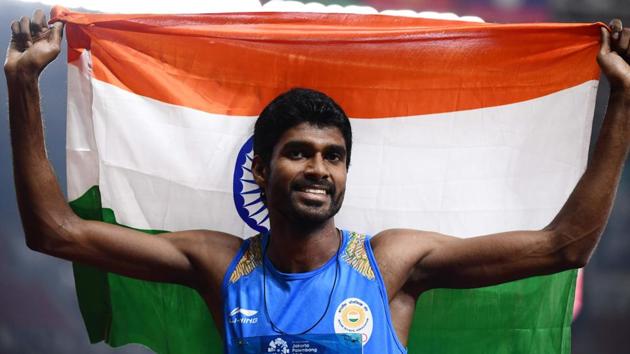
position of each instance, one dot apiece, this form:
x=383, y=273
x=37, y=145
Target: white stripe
x=81, y=151
x=470, y=172
x=463, y=173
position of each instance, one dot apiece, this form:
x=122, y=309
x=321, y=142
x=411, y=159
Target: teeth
x=315, y=191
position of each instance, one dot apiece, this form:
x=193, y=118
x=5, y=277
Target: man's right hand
x=33, y=45
x=198, y=258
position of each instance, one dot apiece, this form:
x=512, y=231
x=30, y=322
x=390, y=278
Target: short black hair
x=295, y=107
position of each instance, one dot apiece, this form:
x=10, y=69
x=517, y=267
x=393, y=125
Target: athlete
x=306, y=277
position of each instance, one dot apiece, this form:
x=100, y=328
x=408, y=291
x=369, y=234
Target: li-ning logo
x=246, y=192
x=243, y=316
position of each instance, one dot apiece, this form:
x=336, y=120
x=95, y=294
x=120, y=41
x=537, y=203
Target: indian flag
x=462, y=128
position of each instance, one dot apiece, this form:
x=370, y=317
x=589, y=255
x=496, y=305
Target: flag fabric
x=462, y=128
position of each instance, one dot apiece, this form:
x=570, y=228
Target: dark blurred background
x=38, y=306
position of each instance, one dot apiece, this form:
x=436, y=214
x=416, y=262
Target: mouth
x=314, y=192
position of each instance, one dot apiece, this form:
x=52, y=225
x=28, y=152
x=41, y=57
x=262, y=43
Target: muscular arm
x=192, y=258
x=417, y=261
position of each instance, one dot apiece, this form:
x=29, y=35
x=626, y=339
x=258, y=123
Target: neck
x=297, y=248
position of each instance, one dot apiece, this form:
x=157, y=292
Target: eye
x=295, y=154
x=333, y=156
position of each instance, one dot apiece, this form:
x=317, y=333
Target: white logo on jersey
x=278, y=346
x=242, y=316
x=245, y=312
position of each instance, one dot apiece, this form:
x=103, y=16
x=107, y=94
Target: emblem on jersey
x=243, y=316
x=353, y=315
x=244, y=312
x=278, y=346
x=246, y=192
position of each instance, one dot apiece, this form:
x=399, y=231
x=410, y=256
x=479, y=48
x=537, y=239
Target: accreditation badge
x=345, y=343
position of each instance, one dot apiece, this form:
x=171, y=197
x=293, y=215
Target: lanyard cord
x=332, y=290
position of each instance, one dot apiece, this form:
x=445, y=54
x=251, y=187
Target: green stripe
x=527, y=316
x=522, y=317
x=167, y=318
x=90, y=283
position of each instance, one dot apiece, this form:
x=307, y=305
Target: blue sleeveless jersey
x=295, y=301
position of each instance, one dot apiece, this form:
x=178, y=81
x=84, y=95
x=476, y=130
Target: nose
x=316, y=168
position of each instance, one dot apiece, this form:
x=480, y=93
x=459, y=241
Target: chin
x=315, y=214
x=313, y=217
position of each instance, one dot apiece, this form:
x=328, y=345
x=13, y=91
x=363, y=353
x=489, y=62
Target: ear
x=260, y=171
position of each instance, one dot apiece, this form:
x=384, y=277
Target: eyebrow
x=296, y=144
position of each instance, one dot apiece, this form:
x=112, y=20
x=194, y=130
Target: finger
x=38, y=22
x=56, y=32
x=25, y=29
x=15, y=28
x=624, y=42
x=616, y=26
x=620, y=44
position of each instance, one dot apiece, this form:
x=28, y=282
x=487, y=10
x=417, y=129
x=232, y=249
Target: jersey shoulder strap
x=248, y=258
x=355, y=254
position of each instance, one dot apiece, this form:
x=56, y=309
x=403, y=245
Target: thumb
x=605, y=37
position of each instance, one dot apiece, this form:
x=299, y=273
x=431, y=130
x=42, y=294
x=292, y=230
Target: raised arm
x=418, y=261
x=194, y=258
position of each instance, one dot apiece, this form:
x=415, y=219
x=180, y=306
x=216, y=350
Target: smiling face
x=305, y=179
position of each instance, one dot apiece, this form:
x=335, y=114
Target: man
x=338, y=281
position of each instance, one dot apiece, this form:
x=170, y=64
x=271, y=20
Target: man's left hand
x=614, y=55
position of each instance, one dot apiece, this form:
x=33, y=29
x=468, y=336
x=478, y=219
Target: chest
x=333, y=302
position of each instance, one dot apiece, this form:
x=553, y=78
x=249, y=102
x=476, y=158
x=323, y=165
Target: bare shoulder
x=205, y=241
x=393, y=242
x=397, y=251
x=210, y=252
